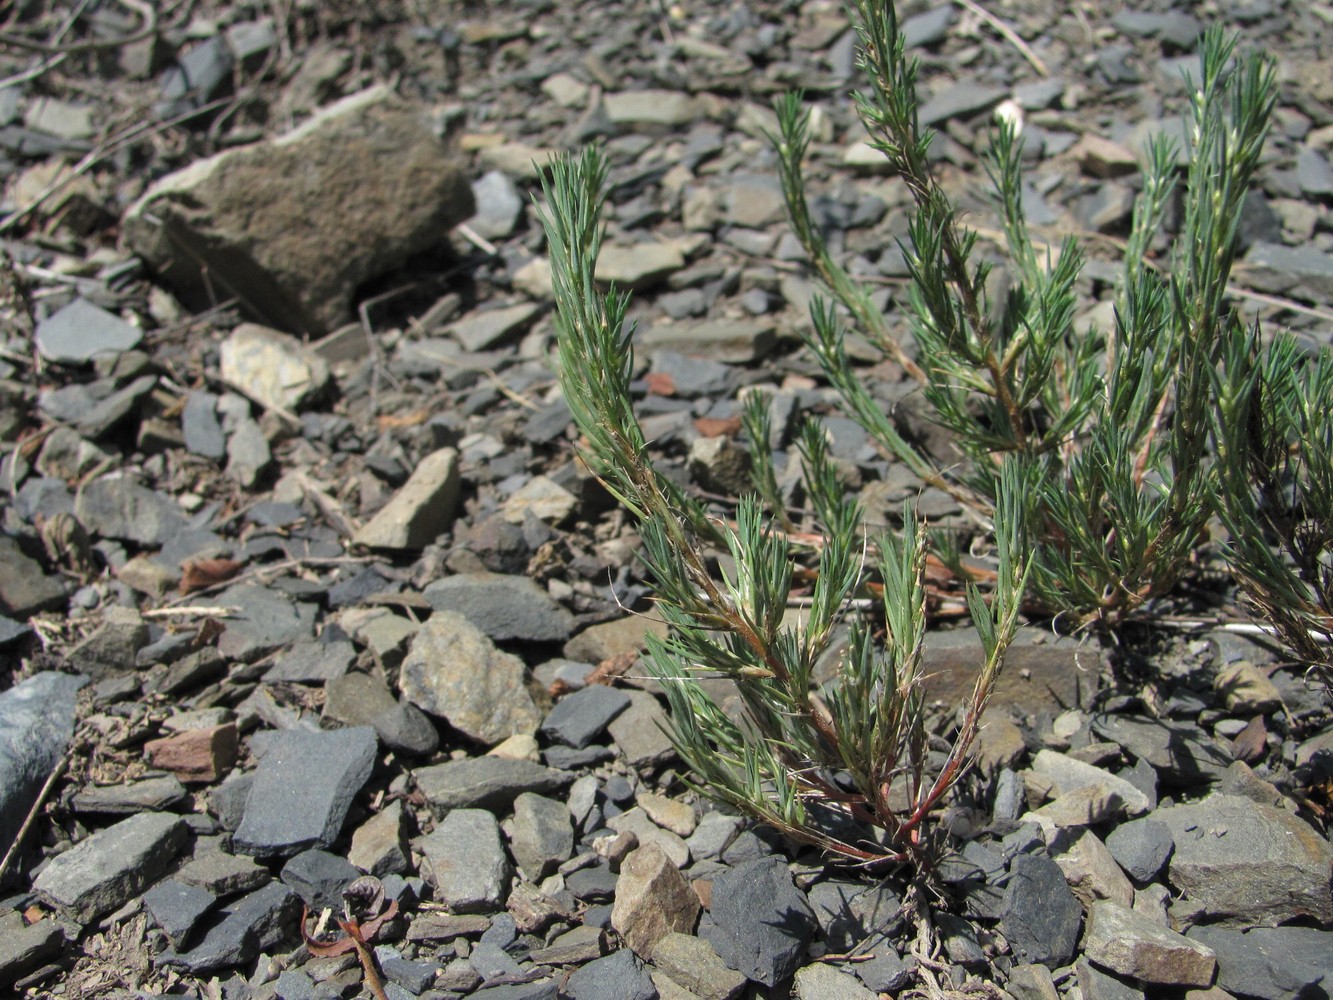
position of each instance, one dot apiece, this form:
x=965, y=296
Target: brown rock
x=652, y=900
x=196, y=755
x=1129, y=943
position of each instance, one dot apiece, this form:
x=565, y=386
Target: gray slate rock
x=1249, y=862
x=1272, y=963
x=117, y=507
x=1141, y=847
x=502, y=606
x=201, y=427
x=421, y=510
x=296, y=225
x=618, y=976
x=302, y=790
x=454, y=672
x=498, y=205
x=24, y=947
x=543, y=835
x=259, y=920
x=111, y=867
x=266, y=619
x=357, y=699
x=1134, y=945
x=319, y=878
x=470, y=868
x=36, y=722
x=1183, y=755
x=761, y=922
x=82, y=332
x=25, y=587
x=1041, y=916
x=579, y=718
x=821, y=981
x=176, y=907
x=485, y=782
x=1277, y=268
x=312, y=662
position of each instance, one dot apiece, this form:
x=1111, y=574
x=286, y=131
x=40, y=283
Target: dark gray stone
x=468, y=861
x=1277, y=268
x=762, y=922
x=504, y=607
x=690, y=376
x=82, y=332
x=117, y=507
x=1041, y=916
x=146, y=795
x=960, y=100
x=492, y=962
x=177, y=907
x=415, y=977
x=618, y=976
x=12, y=631
x=197, y=78
x=543, y=835
x=24, y=587
x=540, y=989
x=24, y=947
x=302, y=789
x=1313, y=173
x=1273, y=963
x=1182, y=754
x=107, y=414
x=319, y=878
x=293, y=984
x=36, y=721
x=849, y=912
x=485, y=782
x=885, y=971
x=260, y=920
x=1099, y=985
x=1141, y=847
x=312, y=662
x=111, y=867
x=223, y=874
x=265, y=620
x=929, y=28
x=579, y=718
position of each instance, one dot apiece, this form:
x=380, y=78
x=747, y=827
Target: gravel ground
x=300, y=581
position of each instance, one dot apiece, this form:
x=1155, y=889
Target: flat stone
x=468, y=862
x=36, y=722
x=1182, y=754
x=485, y=782
x=1049, y=674
x=379, y=845
x=117, y=507
x=421, y=510
x=733, y=341
x=499, y=206
x=1272, y=963
x=542, y=498
x=693, y=963
x=1126, y=942
x=272, y=367
x=147, y=794
x=488, y=329
x=113, y=647
x=358, y=699
x=112, y=866
x=176, y=907
x=579, y=718
x=639, y=266
x=302, y=790
x=25, y=588
x=82, y=332
x=645, y=831
x=1248, y=862
x=1141, y=847
x=24, y=946
x=1090, y=869
x=312, y=662
x=653, y=899
x=618, y=976
x=959, y=100
x=239, y=930
x=850, y=913
x=826, y=982
x=1277, y=268
x=266, y=619
x=543, y=836
x=223, y=874
x=671, y=814
x=762, y=923
x=295, y=226
x=638, y=731
x=503, y=606
x=651, y=110
x=319, y=878
x=197, y=754
x=1247, y=689
x=1041, y=916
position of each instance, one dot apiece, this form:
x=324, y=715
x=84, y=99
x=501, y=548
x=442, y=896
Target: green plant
x=1111, y=429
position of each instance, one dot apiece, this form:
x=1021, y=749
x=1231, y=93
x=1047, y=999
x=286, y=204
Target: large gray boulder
x=292, y=227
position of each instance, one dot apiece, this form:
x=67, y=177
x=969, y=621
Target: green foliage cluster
x=1097, y=458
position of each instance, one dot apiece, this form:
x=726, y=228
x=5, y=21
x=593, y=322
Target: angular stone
x=196, y=754
x=1037, y=675
x=488, y=329
x=651, y=109
x=24, y=587
x=302, y=790
x=638, y=731
x=24, y=946
x=1278, y=268
x=117, y=507
x=694, y=964
x=454, y=672
x=541, y=497
x=761, y=922
x=379, y=845
x=485, y=782
x=1041, y=916
x=319, y=878
x=1182, y=754
x=639, y=266
x=826, y=982
x=223, y=874
x=146, y=795
x=850, y=913
x=645, y=831
x=111, y=867
x=272, y=367
x=1090, y=869
x=734, y=341
x=176, y=907
x=241, y=928
x=499, y=206
x=36, y=722
x=421, y=510
x=293, y=227
x=618, y=976
x=503, y=606
x=265, y=620
x=1126, y=942
x=82, y=332
x=471, y=871
x=1141, y=847
x=543, y=835
x=1068, y=774
x=652, y=900
x=312, y=662
x=1248, y=862
x=1272, y=963
x=579, y=718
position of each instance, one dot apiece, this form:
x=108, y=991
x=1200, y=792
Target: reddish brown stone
x=199, y=755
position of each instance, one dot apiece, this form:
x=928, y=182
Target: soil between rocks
x=346, y=604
